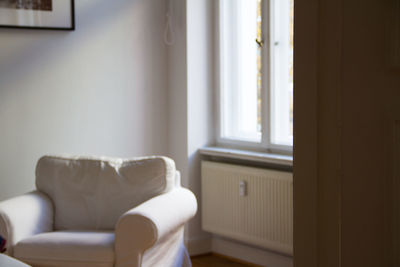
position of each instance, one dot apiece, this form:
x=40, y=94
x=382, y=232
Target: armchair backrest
x=92, y=193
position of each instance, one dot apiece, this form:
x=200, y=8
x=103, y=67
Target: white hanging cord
x=169, y=34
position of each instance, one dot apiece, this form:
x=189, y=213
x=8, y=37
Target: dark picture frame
x=38, y=14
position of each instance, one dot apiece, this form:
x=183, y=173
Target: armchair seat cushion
x=68, y=249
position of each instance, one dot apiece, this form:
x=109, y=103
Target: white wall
x=177, y=90
x=190, y=101
x=101, y=89
x=200, y=84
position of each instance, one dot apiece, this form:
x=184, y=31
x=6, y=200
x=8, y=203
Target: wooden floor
x=212, y=260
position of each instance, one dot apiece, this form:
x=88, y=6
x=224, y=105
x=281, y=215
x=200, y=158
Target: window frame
x=267, y=81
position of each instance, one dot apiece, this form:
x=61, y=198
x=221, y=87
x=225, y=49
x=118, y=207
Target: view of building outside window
x=291, y=57
x=281, y=92
x=254, y=97
x=239, y=84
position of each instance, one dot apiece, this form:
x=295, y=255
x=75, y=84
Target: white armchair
x=98, y=212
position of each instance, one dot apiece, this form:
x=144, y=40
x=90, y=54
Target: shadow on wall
x=24, y=55
x=71, y=91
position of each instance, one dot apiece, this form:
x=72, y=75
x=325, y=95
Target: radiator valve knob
x=242, y=188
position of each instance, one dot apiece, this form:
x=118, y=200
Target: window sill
x=248, y=156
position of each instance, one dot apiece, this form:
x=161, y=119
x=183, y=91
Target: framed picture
x=37, y=14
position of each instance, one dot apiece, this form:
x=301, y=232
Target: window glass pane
x=282, y=72
x=241, y=70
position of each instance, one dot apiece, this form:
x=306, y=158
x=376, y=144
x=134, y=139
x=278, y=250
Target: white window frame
x=267, y=56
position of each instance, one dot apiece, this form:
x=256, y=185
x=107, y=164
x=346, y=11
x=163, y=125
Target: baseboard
x=198, y=246
x=249, y=254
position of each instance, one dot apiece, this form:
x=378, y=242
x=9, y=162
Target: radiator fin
x=264, y=217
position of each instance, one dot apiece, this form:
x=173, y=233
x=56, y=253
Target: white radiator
x=248, y=204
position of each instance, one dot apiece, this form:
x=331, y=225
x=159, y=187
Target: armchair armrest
x=151, y=222
x=24, y=216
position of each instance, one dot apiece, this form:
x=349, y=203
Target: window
x=256, y=73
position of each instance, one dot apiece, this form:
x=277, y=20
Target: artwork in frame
x=37, y=14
